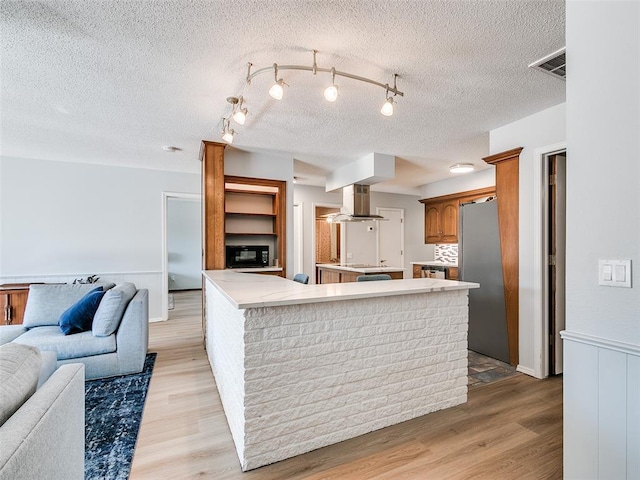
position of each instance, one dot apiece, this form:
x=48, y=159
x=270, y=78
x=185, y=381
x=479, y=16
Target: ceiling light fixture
x=227, y=132
x=461, y=168
x=330, y=93
x=277, y=89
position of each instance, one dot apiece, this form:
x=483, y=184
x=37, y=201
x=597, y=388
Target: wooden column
x=507, y=190
x=213, y=254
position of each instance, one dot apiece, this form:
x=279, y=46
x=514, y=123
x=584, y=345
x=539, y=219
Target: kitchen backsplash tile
x=446, y=252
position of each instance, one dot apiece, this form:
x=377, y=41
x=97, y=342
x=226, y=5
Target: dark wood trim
x=213, y=205
x=460, y=195
x=507, y=191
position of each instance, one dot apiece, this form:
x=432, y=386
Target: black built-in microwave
x=247, y=256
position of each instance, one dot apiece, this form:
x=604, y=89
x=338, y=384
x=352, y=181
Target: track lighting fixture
x=276, y=91
x=331, y=92
x=227, y=132
x=387, y=108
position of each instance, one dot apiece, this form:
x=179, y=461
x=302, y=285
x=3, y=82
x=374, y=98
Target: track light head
x=240, y=116
x=331, y=93
x=277, y=89
x=228, y=136
x=387, y=108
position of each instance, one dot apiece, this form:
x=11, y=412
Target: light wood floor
x=510, y=429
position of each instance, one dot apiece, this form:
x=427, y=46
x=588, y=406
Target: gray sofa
x=104, y=354
x=42, y=432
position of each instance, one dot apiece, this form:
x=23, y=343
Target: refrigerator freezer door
x=480, y=261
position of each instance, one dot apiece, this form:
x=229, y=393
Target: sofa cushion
x=46, y=302
x=112, y=306
x=19, y=373
x=9, y=332
x=79, y=316
x=67, y=346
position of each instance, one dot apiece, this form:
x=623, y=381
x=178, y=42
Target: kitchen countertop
x=359, y=267
x=252, y=291
x=436, y=262
x=256, y=269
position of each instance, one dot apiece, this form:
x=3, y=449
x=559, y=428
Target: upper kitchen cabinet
x=441, y=222
x=441, y=214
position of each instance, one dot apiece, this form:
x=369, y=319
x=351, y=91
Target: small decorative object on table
x=90, y=279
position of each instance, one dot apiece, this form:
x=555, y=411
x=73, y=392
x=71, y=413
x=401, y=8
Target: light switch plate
x=614, y=273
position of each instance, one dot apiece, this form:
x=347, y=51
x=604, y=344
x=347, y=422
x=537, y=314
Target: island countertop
x=245, y=290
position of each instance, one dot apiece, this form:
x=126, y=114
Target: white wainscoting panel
x=601, y=408
x=149, y=280
x=633, y=416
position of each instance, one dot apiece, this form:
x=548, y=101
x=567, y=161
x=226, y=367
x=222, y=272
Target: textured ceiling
x=113, y=81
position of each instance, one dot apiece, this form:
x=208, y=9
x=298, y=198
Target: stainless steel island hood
x=356, y=205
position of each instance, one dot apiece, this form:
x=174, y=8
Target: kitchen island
x=348, y=272
x=300, y=366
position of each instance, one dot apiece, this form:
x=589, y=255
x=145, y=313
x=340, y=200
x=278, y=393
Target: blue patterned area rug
x=113, y=412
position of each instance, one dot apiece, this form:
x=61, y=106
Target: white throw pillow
x=112, y=306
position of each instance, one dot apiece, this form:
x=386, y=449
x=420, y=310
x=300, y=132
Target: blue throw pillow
x=79, y=316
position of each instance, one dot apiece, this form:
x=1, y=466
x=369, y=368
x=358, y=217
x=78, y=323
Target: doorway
x=180, y=248
x=328, y=238
x=555, y=166
x=391, y=237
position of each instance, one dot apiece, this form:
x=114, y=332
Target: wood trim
x=503, y=156
x=507, y=191
x=460, y=195
x=213, y=205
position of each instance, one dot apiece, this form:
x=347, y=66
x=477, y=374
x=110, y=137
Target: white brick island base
x=293, y=378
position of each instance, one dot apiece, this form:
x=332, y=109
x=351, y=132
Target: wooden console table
x=13, y=300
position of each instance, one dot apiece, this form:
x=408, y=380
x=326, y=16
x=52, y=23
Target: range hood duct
x=356, y=205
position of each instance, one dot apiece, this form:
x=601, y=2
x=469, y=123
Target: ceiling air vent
x=553, y=64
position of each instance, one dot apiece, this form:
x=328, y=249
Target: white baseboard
x=526, y=371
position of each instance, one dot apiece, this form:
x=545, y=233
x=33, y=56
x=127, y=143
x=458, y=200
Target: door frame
x=298, y=238
x=540, y=257
x=312, y=275
x=402, y=248
x=165, y=253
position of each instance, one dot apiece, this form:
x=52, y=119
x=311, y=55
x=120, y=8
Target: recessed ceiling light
x=171, y=148
x=461, y=168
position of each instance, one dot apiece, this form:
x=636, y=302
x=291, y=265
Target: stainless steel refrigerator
x=480, y=261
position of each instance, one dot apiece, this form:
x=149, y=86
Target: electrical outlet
x=349, y=255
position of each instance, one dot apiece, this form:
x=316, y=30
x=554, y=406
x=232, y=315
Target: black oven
x=247, y=256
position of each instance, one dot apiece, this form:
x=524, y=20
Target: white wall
x=184, y=243
x=470, y=181
x=358, y=241
x=272, y=167
x=535, y=132
x=308, y=196
x=63, y=220
x=602, y=339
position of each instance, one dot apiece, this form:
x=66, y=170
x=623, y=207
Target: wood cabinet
x=13, y=300
x=254, y=214
x=338, y=275
x=224, y=223
x=453, y=272
x=441, y=214
x=441, y=222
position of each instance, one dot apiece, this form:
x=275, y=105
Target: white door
x=391, y=237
